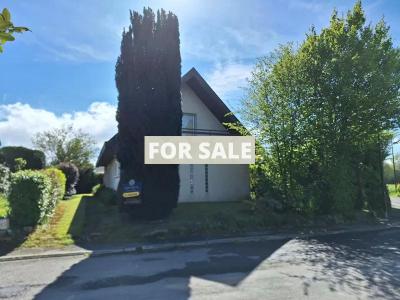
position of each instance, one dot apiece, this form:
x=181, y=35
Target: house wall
x=111, y=175
x=225, y=182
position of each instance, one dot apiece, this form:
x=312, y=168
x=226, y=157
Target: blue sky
x=63, y=71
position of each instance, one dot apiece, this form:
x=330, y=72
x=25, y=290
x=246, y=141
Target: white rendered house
x=203, y=114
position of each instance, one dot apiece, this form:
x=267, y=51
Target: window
x=188, y=121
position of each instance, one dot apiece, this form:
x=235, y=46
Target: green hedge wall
x=30, y=198
x=4, y=179
x=58, y=182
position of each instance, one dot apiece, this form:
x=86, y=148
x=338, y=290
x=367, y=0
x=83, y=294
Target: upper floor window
x=188, y=121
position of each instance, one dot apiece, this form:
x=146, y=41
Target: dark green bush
x=4, y=179
x=71, y=172
x=35, y=159
x=105, y=195
x=87, y=180
x=58, y=182
x=30, y=198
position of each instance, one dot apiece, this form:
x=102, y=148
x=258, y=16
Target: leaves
x=7, y=28
x=323, y=109
x=6, y=15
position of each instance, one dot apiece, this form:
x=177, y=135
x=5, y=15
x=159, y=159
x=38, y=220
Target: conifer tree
x=148, y=77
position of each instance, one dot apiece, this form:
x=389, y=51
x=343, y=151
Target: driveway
x=345, y=266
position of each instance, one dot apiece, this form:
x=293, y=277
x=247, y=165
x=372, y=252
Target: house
x=203, y=114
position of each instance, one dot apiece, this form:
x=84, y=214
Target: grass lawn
x=89, y=219
x=3, y=207
x=392, y=190
x=105, y=224
x=65, y=225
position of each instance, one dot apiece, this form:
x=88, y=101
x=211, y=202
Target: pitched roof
x=205, y=93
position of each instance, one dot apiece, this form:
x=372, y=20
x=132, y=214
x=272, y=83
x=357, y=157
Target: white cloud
x=20, y=122
x=228, y=80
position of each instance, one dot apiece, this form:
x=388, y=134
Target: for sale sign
x=199, y=150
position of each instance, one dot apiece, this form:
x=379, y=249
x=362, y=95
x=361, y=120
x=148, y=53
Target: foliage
x=30, y=198
x=66, y=145
x=4, y=179
x=87, y=180
x=150, y=62
x=71, y=172
x=4, y=206
x=58, y=183
x=7, y=28
x=19, y=164
x=105, y=195
x=388, y=171
x=35, y=159
x=65, y=225
x=322, y=112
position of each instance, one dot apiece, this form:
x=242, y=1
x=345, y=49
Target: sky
x=62, y=72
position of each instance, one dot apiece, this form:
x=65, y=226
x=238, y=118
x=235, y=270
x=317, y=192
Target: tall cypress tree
x=148, y=78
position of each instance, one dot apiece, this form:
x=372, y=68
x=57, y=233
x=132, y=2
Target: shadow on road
x=364, y=264
x=148, y=276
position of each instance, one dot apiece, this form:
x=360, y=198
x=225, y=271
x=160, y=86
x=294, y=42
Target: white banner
x=199, y=150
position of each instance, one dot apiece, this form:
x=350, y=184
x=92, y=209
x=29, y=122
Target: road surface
x=345, y=266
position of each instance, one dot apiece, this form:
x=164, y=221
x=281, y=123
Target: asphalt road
x=346, y=266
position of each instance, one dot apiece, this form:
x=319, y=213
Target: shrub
x=19, y=164
x=4, y=179
x=96, y=188
x=4, y=207
x=87, y=180
x=71, y=172
x=58, y=182
x=105, y=195
x=35, y=159
x=30, y=198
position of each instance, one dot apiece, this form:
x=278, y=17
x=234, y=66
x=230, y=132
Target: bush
x=30, y=198
x=71, y=172
x=96, y=188
x=19, y=164
x=58, y=183
x=4, y=179
x=105, y=195
x=35, y=159
x=87, y=180
x=4, y=207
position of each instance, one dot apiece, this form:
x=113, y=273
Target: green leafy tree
x=66, y=145
x=323, y=111
x=7, y=28
x=148, y=77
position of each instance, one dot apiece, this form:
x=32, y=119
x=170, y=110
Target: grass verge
x=63, y=228
x=105, y=224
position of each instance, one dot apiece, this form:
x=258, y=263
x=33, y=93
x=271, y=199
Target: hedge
x=35, y=159
x=30, y=198
x=58, y=181
x=4, y=179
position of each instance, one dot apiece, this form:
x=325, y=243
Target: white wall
x=225, y=182
x=111, y=175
